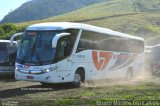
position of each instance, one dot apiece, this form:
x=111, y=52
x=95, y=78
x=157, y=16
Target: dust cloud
x=144, y=76
x=125, y=46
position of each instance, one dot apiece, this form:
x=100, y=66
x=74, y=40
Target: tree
x=1, y=32
x=8, y=27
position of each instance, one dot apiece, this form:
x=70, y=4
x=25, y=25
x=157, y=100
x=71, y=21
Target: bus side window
x=86, y=41
x=83, y=45
x=135, y=46
x=73, y=37
x=63, y=48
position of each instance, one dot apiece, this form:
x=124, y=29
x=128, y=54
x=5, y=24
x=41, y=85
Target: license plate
x=29, y=77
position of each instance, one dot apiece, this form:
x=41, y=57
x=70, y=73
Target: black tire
x=129, y=74
x=45, y=84
x=77, y=79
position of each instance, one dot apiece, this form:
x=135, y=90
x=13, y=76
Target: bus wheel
x=45, y=84
x=129, y=74
x=77, y=79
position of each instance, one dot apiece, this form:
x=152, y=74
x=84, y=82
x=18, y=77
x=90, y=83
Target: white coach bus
x=63, y=52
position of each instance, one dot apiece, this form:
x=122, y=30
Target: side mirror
x=56, y=38
x=13, y=36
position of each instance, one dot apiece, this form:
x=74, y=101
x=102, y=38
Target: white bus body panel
x=96, y=64
x=117, y=67
x=59, y=75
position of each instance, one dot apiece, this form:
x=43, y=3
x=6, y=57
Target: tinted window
x=3, y=52
x=135, y=46
x=7, y=54
x=98, y=41
x=65, y=44
x=12, y=51
x=73, y=37
x=90, y=40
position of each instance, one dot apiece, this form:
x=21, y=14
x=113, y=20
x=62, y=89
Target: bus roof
x=6, y=41
x=68, y=25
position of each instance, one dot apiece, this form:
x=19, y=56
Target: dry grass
x=32, y=93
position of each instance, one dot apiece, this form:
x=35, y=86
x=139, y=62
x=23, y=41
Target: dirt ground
x=17, y=93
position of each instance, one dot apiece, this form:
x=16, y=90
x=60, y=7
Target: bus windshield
x=36, y=48
x=3, y=53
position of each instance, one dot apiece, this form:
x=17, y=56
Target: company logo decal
x=122, y=60
x=23, y=67
x=101, y=59
x=26, y=66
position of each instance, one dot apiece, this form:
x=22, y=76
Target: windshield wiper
x=30, y=50
x=26, y=55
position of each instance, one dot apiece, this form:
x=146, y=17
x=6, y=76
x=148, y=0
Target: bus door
x=63, y=52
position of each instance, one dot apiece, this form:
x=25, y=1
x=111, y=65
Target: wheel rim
x=77, y=78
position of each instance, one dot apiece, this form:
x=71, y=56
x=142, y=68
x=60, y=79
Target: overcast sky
x=9, y=5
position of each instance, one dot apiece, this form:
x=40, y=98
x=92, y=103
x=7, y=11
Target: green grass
x=118, y=15
x=88, y=96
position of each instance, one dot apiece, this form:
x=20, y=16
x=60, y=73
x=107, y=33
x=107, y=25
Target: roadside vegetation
x=135, y=17
x=138, y=18
x=8, y=29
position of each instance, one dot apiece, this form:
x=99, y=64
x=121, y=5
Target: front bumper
x=34, y=77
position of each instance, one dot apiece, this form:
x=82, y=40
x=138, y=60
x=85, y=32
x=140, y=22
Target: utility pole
x=133, y=5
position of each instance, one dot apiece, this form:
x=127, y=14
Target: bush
x=8, y=27
x=1, y=32
x=20, y=28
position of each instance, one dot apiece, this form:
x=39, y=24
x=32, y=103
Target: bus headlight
x=17, y=68
x=49, y=70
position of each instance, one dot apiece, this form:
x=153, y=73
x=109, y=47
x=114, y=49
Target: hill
x=140, y=18
x=40, y=9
